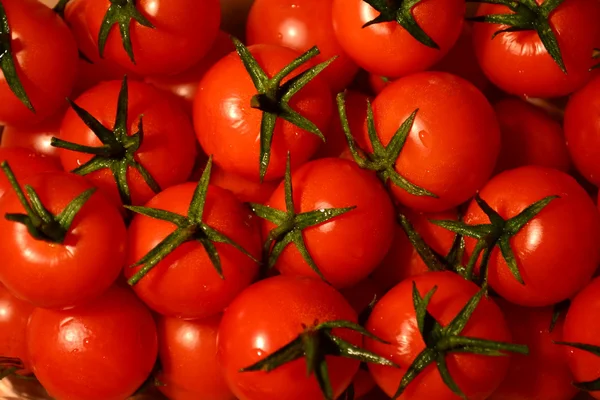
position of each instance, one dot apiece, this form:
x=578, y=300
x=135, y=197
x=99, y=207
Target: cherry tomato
x=45, y=58
x=245, y=190
x=267, y=316
x=35, y=138
x=377, y=83
x=387, y=48
x=582, y=130
x=14, y=315
x=188, y=354
x=103, y=350
x=184, y=31
x=301, y=25
x=529, y=137
x=24, y=163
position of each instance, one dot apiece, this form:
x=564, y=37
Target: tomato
x=78, y=265
x=246, y=190
x=543, y=374
x=520, y=64
x=267, y=316
x=529, y=137
x=14, y=315
x=557, y=251
x=347, y=248
x=167, y=150
x=46, y=69
x=24, y=163
x=184, y=31
x=188, y=354
x=103, y=350
x=229, y=129
x=185, y=283
x=453, y=144
x=301, y=25
x=35, y=138
x=377, y=83
x=387, y=48
x=582, y=128
x=393, y=319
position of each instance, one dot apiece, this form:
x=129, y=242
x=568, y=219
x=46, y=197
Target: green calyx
x=497, y=233
x=7, y=62
x=9, y=366
x=527, y=16
x=273, y=97
x=400, y=11
x=118, y=150
x=441, y=341
x=189, y=228
x=383, y=158
x=40, y=223
x=588, y=386
x=59, y=8
x=121, y=12
x=314, y=344
x=290, y=225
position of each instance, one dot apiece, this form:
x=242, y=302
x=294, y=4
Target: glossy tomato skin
x=387, y=48
x=269, y=315
x=24, y=163
x=301, y=25
x=582, y=130
x=14, y=315
x=186, y=284
x=529, y=137
x=35, y=138
x=46, y=68
x=63, y=275
x=346, y=249
x=246, y=190
x=229, y=129
x=518, y=62
x=393, y=319
x=168, y=149
x=184, y=32
x=543, y=373
x=72, y=351
x=557, y=251
x=454, y=142
x=188, y=356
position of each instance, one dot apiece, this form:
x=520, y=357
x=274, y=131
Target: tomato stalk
x=588, y=386
x=314, y=344
x=273, y=96
x=118, y=150
x=290, y=225
x=189, y=228
x=432, y=260
x=59, y=8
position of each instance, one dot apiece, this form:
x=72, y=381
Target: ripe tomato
x=14, y=315
x=300, y=25
x=452, y=147
x=543, y=373
x=529, y=137
x=46, y=68
x=520, y=64
x=246, y=190
x=103, y=350
x=582, y=130
x=62, y=273
x=393, y=319
x=267, y=316
x=184, y=31
x=24, y=163
x=35, y=138
x=388, y=49
x=188, y=355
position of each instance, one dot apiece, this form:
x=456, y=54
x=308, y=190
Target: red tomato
x=518, y=62
x=301, y=25
x=35, y=138
x=188, y=354
x=24, y=163
x=394, y=320
x=229, y=129
x=557, y=251
x=452, y=148
x=246, y=190
x=582, y=130
x=347, y=248
x=168, y=148
x=14, y=315
x=387, y=48
x=529, y=137
x=543, y=374
x=67, y=273
x=46, y=68
x=103, y=350
x=184, y=31
x=269, y=315
x=185, y=283
x=377, y=83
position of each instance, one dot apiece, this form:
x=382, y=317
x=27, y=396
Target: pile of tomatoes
x=354, y=199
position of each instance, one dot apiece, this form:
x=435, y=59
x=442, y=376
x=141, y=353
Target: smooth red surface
x=35, y=138
x=14, y=315
x=23, y=163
